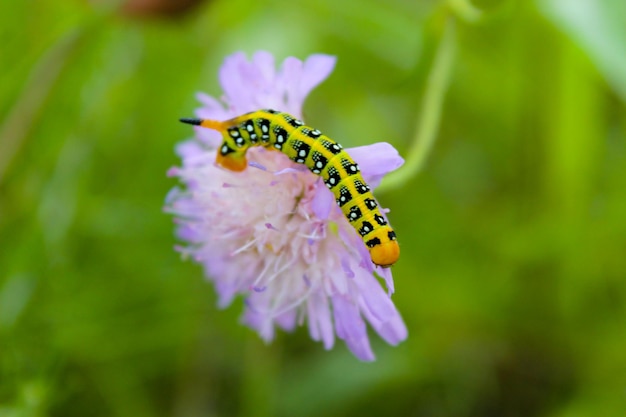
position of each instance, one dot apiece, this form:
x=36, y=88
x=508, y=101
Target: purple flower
x=273, y=232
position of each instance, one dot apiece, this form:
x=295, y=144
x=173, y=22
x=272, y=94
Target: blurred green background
x=512, y=279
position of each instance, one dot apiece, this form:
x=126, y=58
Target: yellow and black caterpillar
x=320, y=154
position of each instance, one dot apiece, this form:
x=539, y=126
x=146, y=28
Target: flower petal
x=264, y=62
x=291, y=73
x=356, y=244
x=386, y=274
x=377, y=302
x=320, y=322
x=323, y=201
x=231, y=82
x=287, y=320
x=351, y=328
x=375, y=161
x=211, y=107
x=393, y=330
x=316, y=69
x=273, y=232
x=189, y=149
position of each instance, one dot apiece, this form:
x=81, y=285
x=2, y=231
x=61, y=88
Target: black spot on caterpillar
x=322, y=156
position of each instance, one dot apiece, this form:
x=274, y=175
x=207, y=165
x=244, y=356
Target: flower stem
x=428, y=124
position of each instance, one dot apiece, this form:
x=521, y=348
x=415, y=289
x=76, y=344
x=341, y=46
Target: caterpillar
x=322, y=156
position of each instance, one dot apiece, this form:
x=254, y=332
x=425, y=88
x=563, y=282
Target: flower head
x=273, y=232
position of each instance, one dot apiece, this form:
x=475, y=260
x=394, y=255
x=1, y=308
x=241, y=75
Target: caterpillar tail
x=234, y=161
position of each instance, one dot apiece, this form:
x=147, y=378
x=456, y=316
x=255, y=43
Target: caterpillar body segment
x=322, y=156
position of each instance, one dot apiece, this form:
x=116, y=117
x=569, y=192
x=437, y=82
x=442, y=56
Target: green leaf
x=599, y=27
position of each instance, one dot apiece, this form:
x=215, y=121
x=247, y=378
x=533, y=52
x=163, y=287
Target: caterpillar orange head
x=385, y=254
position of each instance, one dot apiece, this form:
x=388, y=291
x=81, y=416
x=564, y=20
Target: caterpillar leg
x=233, y=162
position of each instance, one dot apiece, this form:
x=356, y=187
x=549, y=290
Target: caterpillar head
x=385, y=254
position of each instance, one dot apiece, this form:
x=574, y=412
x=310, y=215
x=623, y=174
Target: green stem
x=428, y=124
